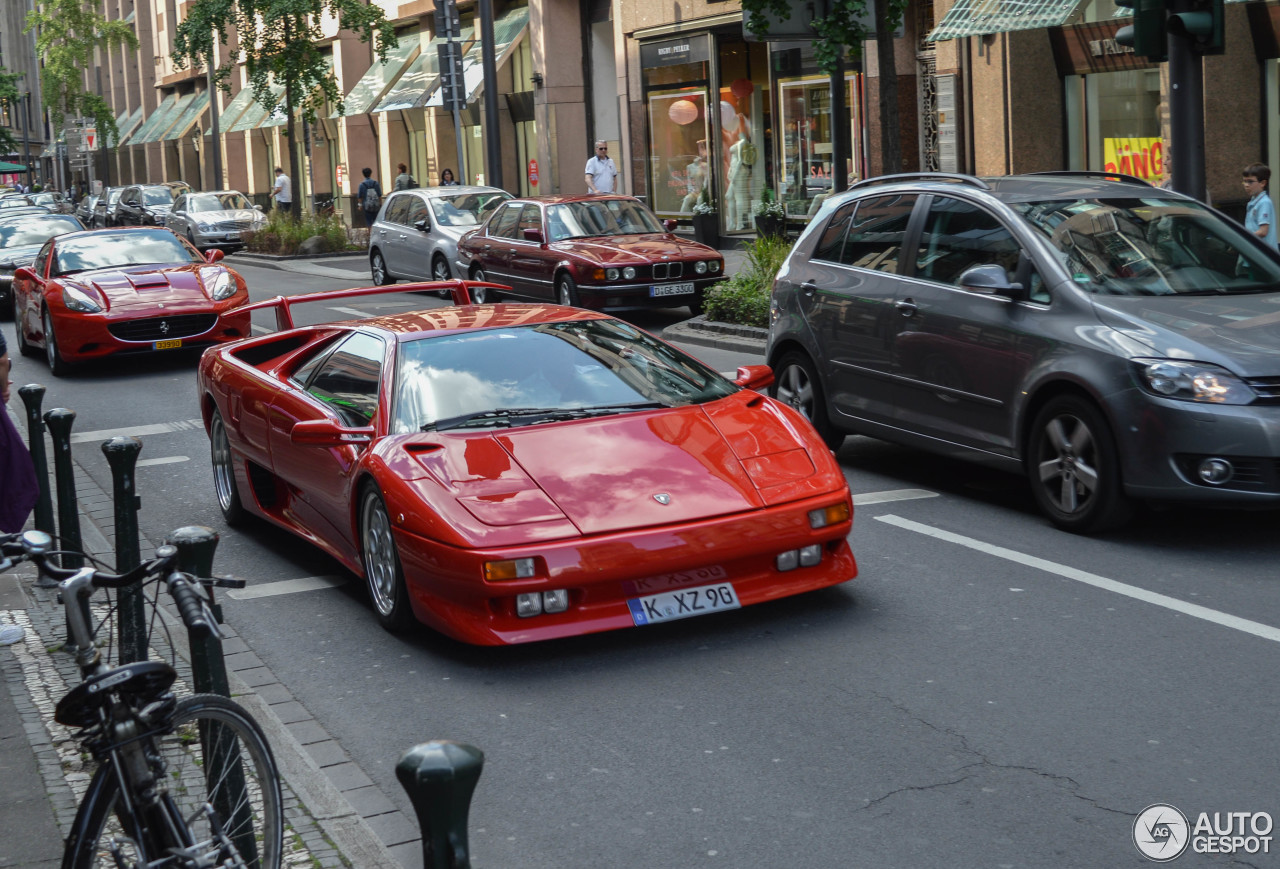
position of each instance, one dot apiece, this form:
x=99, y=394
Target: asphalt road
x=988, y=692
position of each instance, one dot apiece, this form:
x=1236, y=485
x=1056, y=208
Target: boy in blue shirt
x=1260, y=218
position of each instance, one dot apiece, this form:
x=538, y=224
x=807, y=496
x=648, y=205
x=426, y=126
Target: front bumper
x=83, y=337
x=630, y=297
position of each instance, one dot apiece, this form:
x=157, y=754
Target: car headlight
x=700, y=267
x=79, y=300
x=629, y=272
x=1193, y=381
x=223, y=287
x=610, y=274
x=204, y=227
x=714, y=265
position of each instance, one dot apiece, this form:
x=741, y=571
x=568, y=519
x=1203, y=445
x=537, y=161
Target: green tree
x=9, y=98
x=68, y=32
x=840, y=27
x=278, y=41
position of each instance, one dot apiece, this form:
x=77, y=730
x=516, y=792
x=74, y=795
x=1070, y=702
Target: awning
x=161, y=119
x=254, y=113
x=419, y=79
x=6, y=166
x=125, y=125
x=507, y=32
x=188, y=118
x=381, y=76
x=980, y=17
x=234, y=109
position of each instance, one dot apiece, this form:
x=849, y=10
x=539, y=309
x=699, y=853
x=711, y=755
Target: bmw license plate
x=683, y=603
x=171, y=344
x=672, y=289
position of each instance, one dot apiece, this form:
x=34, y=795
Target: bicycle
x=181, y=783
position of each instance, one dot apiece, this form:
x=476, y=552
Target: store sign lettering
x=1141, y=157
x=666, y=51
x=1103, y=47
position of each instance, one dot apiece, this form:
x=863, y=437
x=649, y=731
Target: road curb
x=721, y=336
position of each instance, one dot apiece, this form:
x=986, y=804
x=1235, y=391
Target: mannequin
x=737, y=194
x=695, y=177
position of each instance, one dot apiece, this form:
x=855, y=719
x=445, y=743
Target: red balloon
x=742, y=88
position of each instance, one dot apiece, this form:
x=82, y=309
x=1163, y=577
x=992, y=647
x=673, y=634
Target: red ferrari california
x=513, y=472
x=97, y=293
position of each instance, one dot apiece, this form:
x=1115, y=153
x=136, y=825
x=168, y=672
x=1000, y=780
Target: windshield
x=157, y=196
x=15, y=202
x=1151, y=247
x=465, y=209
x=114, y=195
x=103, y=250
x=599, y=217
x=23, y=233
x=584, y=367
x=218, y=202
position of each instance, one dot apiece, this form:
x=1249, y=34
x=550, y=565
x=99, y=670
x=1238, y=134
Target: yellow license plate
x=171, y=344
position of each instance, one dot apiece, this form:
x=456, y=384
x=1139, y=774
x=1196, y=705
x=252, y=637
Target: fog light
x=811, y=555
x=1215, y=472
x=555, y=601
x=518, y=568
x=788, y=560
x=529, y=604
x=824, y=516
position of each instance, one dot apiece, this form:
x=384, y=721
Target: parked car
x=84, y=211
x=1112, y=341
x=104, y=210
x=20, y=241
x=603, y=252
x=16, y=200
x=415, y=236
x=146, y=204
x=18, y=211
x=515, y=473
x=214, y=219
x=94, y=294
x=53, y=200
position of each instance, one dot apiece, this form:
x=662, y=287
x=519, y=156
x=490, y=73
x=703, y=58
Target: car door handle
x=907, y=307
x=808, y=288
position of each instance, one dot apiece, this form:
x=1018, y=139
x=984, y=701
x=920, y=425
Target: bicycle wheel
x=216, y=755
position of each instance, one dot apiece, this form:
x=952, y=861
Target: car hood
x=20, y=256
x=633, y=249
x=680, y=465
x=145, y=287
x=1240, y=332
x=227, y=214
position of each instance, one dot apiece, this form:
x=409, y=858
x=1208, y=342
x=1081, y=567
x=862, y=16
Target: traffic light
x=1148, y=34
x=1199, y=21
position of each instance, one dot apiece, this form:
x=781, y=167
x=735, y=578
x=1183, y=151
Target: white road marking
x=167, y=460
x=892, y=495
x=286, y=586
x=1226, y=620
x=136, y=431
x=354, y=312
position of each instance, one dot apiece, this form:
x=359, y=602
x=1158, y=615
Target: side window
x=398, y=210
x=417, y=210
x=530, y=218
x=877, y=233
x=42, y=259
x=180, y=204
x=348, y=379
x=958, y=235
x=832, y=239
x=504, y=222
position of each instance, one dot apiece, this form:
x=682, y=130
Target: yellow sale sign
x=1141, y=157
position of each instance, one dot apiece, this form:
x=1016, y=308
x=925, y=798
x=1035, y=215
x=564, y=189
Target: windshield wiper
x=509, y=416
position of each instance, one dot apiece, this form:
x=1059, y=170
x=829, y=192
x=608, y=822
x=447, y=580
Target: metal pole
x=1186, y=114
x=59, y=421
x=106, y=157
x=26, y=138
x=122, y=455
x=32, y=395
x=440, y=777
x=839, y=130
x=492, y=137
x=214, y=128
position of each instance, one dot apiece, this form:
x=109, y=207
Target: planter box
x=706, y=229
x=775, y=226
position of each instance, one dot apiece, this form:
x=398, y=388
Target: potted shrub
x=706, y=223
x=771, y=215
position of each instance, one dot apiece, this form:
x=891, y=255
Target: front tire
x=1074, y=467
x=797, y=385
x=216, y=754
x=378, y=269
x=481, y=295
x=224, y=472
x=20, y=332
x=58, y=366
x=383, y=573
x=567, y=291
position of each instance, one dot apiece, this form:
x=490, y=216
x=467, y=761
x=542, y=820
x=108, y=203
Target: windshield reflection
x=104, y=250
x=599, y=217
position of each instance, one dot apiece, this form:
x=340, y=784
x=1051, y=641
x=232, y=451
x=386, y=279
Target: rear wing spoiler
x=283, y=305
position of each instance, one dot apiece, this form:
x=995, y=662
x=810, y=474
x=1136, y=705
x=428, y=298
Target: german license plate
x=682, y=604
x=171, y=344
x=671, y=289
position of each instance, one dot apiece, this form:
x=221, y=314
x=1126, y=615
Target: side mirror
x=257, y=208
x=24, y=274
x=988, y=279
x=327, y=433
x=422, y=225
x=531, y=234
x=670, y=224
x=214, y=256
x=757, y=377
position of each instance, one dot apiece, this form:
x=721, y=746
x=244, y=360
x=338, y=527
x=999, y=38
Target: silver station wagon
x=1112, y=341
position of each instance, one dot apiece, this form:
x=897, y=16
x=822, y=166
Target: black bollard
x=122, y=455
x=32, y=395
x=196, y=545
x=440, y=777
x=59, y=421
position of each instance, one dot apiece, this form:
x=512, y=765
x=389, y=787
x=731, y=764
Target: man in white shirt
x=282, y=191
x=601, y=170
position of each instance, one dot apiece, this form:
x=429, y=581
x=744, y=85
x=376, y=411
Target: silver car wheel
x=224, y=473
x=795, y=389
x=440, y=269
x=380, y=560
x=479, y=295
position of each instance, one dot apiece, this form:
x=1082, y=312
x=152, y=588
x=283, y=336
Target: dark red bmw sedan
x=608, y=253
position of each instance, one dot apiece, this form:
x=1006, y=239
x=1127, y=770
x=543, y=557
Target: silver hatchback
x=1110, y=340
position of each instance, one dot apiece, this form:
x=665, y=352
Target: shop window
x=746, y=130
x=676, y=77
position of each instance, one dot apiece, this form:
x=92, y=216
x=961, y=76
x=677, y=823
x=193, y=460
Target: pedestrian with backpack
x=370, y=196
